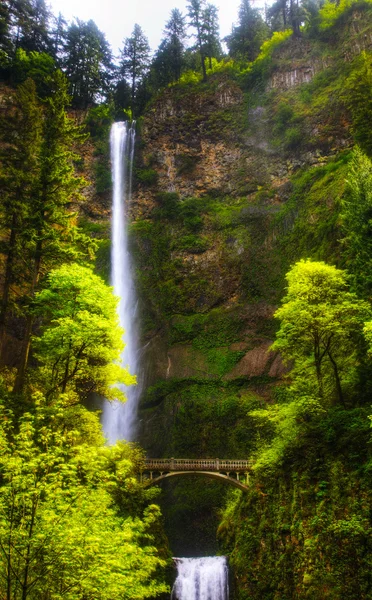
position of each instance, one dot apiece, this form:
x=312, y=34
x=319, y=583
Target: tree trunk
x=25, y=351
x=7, y=281
x=337, y=379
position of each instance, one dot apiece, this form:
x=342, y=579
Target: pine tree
x=196, y=11
x=135, y=60
x=21, y=128
x=49, y=234
x=58, y=37
x=175, y=35
x=246, y=38
x=211, y=33
x=87, y=63
x=167, y=64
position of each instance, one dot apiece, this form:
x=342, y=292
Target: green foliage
x=37, y=66
x=358, y=98
x=308, y=224
x=321, y=322
x=263, y=63
x=288, y=126
x=80, y=346
x=99, y=120
x=193, y=244
x=330, y=12
x=356, y=222
x=60, y=530
x=147, y=177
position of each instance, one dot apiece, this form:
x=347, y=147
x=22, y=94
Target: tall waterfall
x=201, y=579
x=119, y=420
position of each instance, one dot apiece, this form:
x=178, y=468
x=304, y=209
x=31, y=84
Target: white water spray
x=119, y=420
x=201, y=579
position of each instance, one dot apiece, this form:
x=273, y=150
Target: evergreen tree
x=210, y=34
x=58, y=37
x=246, y=38
x=35, y=29
x=167, y=64
x=135, y=61
x=286, y=13
x=87, y=63
x=196, y=12
x=175, y=35
x=358, y=98
x=49, y=234
x=5, y=39
x=21, y=130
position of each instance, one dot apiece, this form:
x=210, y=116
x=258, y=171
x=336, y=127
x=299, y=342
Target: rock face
x=232, y=188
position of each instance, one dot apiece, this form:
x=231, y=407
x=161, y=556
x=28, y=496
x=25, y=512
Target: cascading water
x=201, y=579
x=119, y=420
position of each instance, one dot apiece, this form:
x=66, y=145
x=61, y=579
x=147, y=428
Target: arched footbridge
x=233, y=472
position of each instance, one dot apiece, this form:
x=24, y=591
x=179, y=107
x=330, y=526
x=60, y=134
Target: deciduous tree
x=81, y=341
x=320, y=326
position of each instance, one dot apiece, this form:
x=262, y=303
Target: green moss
x=308, y=223
x=305, y=529
x=193, y=244
x=148, y=177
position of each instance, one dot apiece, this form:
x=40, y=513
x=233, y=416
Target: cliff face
x=236, y=179
x=228, y=175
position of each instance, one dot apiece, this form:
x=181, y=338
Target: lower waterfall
x=201, y=579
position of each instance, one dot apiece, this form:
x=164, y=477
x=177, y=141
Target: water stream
x=119, y=420
x=201, y=579
x=198, y=578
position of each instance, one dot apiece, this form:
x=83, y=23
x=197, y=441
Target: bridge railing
x=202, y=464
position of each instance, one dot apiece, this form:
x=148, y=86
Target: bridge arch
x=210, y=474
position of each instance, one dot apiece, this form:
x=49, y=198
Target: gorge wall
x=236, y=180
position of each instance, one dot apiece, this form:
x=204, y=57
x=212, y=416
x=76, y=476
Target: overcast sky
x=116, y=18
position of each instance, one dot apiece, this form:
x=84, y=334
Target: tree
x=21, y=128
x=61, y=531
x=81, y=343
x=58, y=37
x=247, y=37
x=211, y=33
x=135, y=60
x=175, y=35
x=87, y=63
x=50, y=236
x=320, y=326
x=35, y=30
x=166, y=67
x=284, y=13
x=196, y=11
x=356, y=223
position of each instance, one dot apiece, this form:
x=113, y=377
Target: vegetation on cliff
x=247, y=169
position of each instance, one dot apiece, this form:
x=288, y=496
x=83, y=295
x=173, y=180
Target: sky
x=116, y=18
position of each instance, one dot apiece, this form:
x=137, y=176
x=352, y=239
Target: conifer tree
x=49, y=234
x=87, y=63
x=211, y=33
x=196, y=11
x=246, y=38
x=21, y=129
x=168, y=61
x=135, y=60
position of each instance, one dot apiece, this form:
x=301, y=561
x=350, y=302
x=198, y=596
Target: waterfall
x=119, y=420
x=201, y=579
